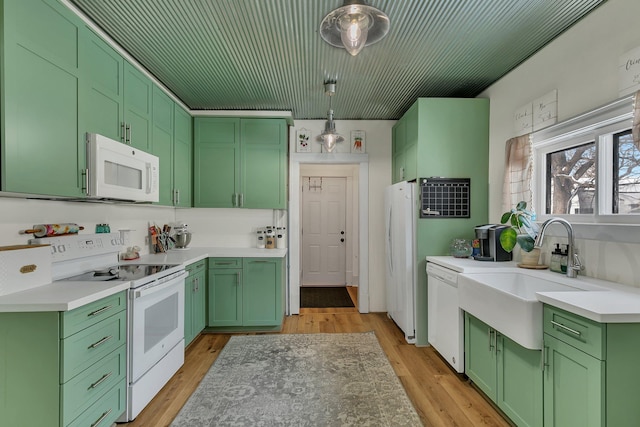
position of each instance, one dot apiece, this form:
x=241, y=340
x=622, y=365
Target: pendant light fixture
x=354, y=26
x=329, y=137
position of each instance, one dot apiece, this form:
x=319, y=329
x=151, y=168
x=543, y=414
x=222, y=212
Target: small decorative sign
x=523, y=118
x=629, y=72
x=545, y=110
x=303, y=141
x=357, y=141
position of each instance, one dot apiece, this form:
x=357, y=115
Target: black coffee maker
x=490, y=248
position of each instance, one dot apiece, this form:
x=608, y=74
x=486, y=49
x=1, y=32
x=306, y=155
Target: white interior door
x=323, y=231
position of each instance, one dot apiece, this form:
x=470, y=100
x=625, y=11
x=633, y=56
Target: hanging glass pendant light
x=354, y=26
x=329, y=137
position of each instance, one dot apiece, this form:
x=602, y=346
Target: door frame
x=295, y=160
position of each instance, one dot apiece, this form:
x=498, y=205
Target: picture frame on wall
x=303, y=141
x=358, y=141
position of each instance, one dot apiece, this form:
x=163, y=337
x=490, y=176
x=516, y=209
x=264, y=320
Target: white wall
x=582, y=64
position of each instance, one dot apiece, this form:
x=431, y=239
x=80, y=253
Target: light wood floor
x=441, y=397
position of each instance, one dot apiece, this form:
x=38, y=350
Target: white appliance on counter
x=155, y=308
x=120, y=172
x=446, y=319
x=400, y=248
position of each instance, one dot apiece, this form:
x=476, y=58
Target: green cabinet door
x=199, y=303
x=519, y=382
x=264, y=163
x=102, y=94
x=182, y=157
x=224, y=297
x=480, y=355
x=411, y=145
x=262, y=292
x=195, y=300
x=42, y=151
x=162, y=143
x=216, y=162
x=137, y=108
x=573, y=386
x=189, y=289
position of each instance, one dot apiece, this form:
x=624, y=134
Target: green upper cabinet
x=405, y=146
x=102, y=95
x=42, y=148
x=162, y=139
x=240, y=163
x=182, y=157
x=137, y=108
x=116, y=97
x=216, y=174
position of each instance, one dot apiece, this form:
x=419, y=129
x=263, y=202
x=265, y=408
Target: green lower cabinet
x=509, y=374
x=591, y=376
x=57, y=368
x=573, y=386
x=245, y=293
x=195, y=301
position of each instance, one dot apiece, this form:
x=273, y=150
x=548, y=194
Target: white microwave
x=116, y=171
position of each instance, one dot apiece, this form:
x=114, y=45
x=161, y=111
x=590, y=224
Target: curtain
x=636, y=120
x=517, y=172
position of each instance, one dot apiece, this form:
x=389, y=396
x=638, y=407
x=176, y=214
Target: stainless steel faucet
x=573, y=261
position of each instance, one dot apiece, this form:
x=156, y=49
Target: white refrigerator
x=400, y=248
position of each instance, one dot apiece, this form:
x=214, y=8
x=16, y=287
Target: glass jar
x=460, y=248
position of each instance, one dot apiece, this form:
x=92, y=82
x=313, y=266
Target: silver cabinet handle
x=123, y=132
x=99, y=343
x=234, y=200
x=100, y=381
x=127, y=136
x=100, y=310
x=490, y=333
x=545, y=357
x=85, y=173
x=566, y=328
x=102, y=417
x=177, y=197
x=238, y=278
x=241, y=200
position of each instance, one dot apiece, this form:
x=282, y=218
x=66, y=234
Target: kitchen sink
x=507, y=302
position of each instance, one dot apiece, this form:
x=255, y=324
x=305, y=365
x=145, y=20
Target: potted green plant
x=523, y=231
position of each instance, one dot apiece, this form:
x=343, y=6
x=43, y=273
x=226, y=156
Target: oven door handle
x=156, y=287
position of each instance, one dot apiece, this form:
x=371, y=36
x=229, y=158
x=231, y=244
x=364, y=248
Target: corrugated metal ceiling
x=268, y=54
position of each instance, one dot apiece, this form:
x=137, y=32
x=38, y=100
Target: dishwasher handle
x=446, y=275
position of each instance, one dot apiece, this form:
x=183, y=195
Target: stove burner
x=121, y=272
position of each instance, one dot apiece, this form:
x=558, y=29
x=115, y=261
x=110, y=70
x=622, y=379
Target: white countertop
x=65, y=295
x=600, y=300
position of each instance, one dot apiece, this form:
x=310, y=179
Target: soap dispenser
x=563, y=259
x=556, y=259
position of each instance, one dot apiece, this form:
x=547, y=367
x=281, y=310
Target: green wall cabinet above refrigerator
x=240, y=163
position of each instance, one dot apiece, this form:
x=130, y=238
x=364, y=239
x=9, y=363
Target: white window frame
x=597, y=126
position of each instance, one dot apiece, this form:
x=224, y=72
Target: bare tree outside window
x=571, y=179
x=626, y=175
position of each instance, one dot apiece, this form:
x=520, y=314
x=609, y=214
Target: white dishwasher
x=446, y=320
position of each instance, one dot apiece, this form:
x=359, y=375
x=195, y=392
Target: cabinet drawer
x=225, y=262
x=577, y=331
x=88, y=346
x=82, y=317
x=196, y=267
x=105, y=411
x=90, y=385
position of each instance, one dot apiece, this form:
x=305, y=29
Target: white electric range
x=155, y=308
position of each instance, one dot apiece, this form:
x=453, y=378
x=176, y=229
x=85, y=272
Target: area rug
x=300, y=380
x=324, y=296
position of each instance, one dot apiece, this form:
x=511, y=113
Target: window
x=587, y=169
